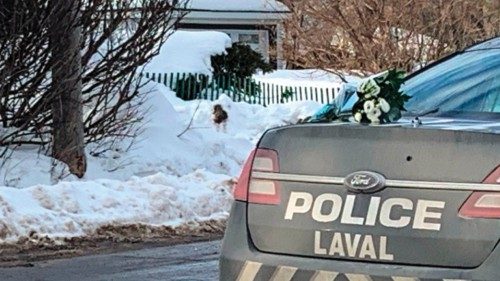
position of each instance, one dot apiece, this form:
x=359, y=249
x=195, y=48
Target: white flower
x=374, y=115
x=358, y=117
x=370, y=88
x=376, y=91
x=384, y=105
x=369, y=106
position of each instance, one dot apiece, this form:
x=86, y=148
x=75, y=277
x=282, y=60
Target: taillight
x=494, y=177
x=240, y=191
x=259, y=191
x=484, y=204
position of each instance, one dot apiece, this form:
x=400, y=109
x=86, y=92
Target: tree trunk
x=67, y=112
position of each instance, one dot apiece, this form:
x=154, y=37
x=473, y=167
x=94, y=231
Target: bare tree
x=117, y=39
x=373, y=35
x=67, y=107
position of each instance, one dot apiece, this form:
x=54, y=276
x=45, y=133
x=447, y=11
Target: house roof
x=235, y=11
x=249, y=6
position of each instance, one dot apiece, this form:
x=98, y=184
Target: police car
x=414, y=200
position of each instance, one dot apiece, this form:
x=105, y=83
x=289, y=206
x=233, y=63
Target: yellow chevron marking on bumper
x=324, y=276
x=284, y=273
x=249, y=271
x=358, y=277
x=398, y=278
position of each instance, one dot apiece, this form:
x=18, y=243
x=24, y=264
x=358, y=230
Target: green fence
x=189, y=86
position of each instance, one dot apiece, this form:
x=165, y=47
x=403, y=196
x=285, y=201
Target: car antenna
x=416, y=122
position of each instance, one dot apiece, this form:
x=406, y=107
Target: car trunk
x=401, y=225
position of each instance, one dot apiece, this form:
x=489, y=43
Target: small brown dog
x=219, y=116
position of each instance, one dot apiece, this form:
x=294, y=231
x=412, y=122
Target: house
x=258, y=23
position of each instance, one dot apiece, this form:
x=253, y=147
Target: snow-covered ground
x=305, y=78
x=163, y=180
x=306, y=83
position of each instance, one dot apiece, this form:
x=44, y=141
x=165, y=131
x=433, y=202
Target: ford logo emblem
x=364, y=182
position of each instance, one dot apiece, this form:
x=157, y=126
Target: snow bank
x=71, y=209
x=325, y=85
x=164, y=180
x=305, y=78
x=189, y=52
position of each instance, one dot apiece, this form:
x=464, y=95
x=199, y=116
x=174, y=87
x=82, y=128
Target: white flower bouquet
x=380, y=99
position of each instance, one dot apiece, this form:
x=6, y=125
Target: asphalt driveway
x=198, y=261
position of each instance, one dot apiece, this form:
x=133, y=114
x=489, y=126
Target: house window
x=258, y=40
x=249, y=38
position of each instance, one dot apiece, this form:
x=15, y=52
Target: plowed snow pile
x=164, y=180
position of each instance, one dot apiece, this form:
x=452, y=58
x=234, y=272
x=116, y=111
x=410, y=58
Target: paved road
x=191, y=262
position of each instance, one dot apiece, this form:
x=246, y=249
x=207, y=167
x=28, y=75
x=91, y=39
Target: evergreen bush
x=240, y=62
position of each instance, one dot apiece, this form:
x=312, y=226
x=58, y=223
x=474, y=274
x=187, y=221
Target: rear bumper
x=240, y=260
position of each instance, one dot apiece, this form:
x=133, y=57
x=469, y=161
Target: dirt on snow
x=107, y=239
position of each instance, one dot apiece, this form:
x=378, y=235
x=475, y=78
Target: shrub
x=240, y=63
x=375, y=35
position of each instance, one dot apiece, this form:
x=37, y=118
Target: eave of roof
x=235, y=11
x=234, y=6
x=254, y=18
